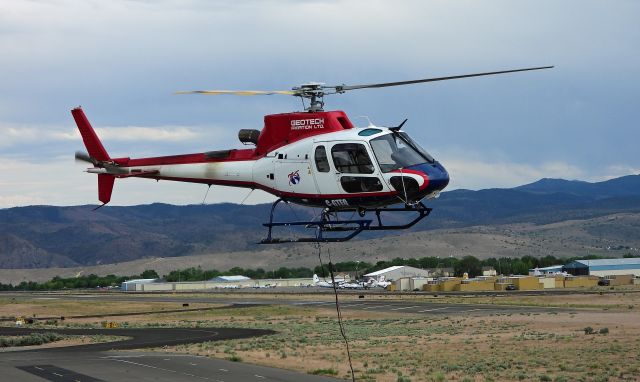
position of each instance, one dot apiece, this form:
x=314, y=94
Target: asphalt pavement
x=106, y=361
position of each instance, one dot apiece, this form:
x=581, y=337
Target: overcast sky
x=122, y=60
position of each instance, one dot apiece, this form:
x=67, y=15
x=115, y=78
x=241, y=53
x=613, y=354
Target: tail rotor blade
x=84, y=157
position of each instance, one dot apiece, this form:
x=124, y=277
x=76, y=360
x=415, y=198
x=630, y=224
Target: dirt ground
x=600, y=344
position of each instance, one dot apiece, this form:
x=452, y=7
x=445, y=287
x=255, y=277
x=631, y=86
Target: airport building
x=604, y=267
x=229, y=279
x=397, y=272
x=153, y=285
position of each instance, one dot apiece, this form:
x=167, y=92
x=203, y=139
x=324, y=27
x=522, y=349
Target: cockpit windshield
x=397, y=150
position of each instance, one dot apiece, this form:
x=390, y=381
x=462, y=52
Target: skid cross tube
x=422, y=210
x=353, y=227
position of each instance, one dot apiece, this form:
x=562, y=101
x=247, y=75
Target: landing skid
x=330, y=223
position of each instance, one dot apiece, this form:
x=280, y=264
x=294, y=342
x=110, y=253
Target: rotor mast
x=314, y=92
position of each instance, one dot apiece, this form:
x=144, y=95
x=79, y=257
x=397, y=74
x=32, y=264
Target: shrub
x=324, y=372
x=604, y=331
x=588, y=330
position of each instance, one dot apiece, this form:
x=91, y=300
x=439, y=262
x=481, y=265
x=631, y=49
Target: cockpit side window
x=351, y=158
x=322, y=163
x=397, y=150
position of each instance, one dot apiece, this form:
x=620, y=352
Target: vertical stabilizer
x=89, y=136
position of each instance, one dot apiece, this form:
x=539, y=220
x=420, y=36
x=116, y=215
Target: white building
x=489, y=271
x=396, y=272
x=132, y=285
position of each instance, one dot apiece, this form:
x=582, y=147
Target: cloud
x=15, y=134
x=473, y=174
x=61, y=182
x=123, y=60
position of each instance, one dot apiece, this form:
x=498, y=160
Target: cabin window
x=368, y=132
x=353, y=184
x=351, y=158
x=322, y=163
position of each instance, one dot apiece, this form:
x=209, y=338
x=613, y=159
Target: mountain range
x=49, y=236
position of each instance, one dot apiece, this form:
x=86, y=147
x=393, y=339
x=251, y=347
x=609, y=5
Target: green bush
x=324, y=372
x=31, y=339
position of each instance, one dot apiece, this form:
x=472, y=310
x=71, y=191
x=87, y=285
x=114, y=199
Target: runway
x=389, y=305
x=99, y=362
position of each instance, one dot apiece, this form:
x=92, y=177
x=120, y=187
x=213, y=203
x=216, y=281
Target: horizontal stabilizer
x=139, y=174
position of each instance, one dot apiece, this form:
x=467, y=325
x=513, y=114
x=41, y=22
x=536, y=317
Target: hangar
x=396, y=272
x=604, y=267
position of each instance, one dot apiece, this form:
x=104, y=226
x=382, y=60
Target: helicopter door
x=327, y=182
x=356, y=171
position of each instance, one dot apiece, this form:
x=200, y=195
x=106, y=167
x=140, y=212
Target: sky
x=123, y=60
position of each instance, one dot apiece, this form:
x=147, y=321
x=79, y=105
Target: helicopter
x=313, y=158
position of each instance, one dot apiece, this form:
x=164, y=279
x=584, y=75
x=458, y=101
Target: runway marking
x=225, y=370
x=258, y=376
x=158, y=368
x=431, y=310
x=376, y=306
x=48, y=372
x=406, y=307
x=348, y=305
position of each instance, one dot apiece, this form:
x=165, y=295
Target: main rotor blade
x=343, y=88
x=238, y=92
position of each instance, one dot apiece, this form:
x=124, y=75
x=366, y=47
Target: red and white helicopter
x=314, y=158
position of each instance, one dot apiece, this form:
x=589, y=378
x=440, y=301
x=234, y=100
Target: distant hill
x=618, y=187
x=47, y=236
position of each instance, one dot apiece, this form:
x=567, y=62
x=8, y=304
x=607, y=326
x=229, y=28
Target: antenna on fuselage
x=397, y=128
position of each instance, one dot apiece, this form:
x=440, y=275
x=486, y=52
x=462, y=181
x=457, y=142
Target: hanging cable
x=246, y=197
x=205, y=194
x=340, y=324
x=335, y=291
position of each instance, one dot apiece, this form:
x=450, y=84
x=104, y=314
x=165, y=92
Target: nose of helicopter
x=437, y=175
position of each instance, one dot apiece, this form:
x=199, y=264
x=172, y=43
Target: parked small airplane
x=379, y=283
x=326, y=284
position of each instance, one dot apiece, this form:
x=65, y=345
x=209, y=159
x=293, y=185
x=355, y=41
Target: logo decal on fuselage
x=307, y=124
x=294, y=177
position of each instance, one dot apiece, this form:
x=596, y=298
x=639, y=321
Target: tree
x=150, y=274
x=468, y=264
